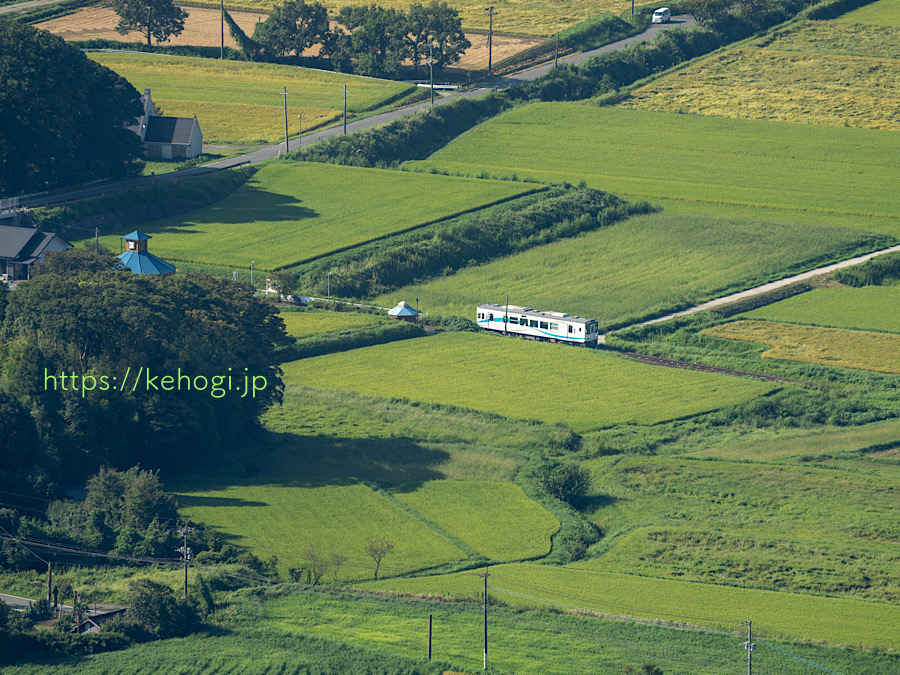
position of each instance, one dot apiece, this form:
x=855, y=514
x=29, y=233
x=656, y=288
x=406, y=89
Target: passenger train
x=550, y=326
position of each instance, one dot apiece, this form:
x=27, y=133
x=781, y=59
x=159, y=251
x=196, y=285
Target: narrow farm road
x=759, y=290
x=272, y=151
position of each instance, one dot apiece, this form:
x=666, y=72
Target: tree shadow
x=595, y=502
x=192, y=500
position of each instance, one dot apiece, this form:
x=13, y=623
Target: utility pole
x=185, y=554
x=431, y=67
x=96, y=240
x=485, y=577
x=345, y=109
x=286, y=148
x=491, y=13
x=429, y=637
x=506, y=315
x=556, y=58
x=251, y=272
x=49, y=586
x=299, y=130
x=222, y=6
x=748, y=645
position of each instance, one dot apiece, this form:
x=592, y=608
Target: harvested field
x=202, y=27
x=813, y=344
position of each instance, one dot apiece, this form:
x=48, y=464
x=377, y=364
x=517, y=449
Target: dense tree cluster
x=63, y=116
x=370, y=39
x=84, y=350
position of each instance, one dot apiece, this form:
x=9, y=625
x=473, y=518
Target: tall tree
x=293, y=27
x=436, y=29
x=160, y=19
x=62, y=115
x=377, y=39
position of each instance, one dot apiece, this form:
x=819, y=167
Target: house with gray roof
x=167, y=137
x=21, y=247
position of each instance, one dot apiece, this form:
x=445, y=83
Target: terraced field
x=867, y=308
x=293, y=211
x=454, y=369
x=829, y=346
x=834, y=620
x=830, y=73
x=306, y=324
x=240, y=102
x=793, y=173
x=639, y=268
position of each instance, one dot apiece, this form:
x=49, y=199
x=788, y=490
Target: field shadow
x=593, y=503
x=290, y=460
x=187, y=501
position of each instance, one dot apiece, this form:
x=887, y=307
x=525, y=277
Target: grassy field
x=867, y=308
x=819, y=73
x=806, y=527
x=813, y=344
x=534, y=17
x=496, y=520
x=780, y=167
x=774, y=614
x=637, y=268
x=306, y=324
x=238, y=101
x=290, y=212
x=785, y=443
x=456, y=369
x=318, y=633
x=882, y=13
x=283, y=519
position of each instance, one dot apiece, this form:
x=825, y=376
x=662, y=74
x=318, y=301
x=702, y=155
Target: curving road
x=271, y=151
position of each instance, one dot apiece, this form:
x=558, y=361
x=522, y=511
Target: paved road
x=21, y=604
x=6, y=9
x=760, y=290
x=271, y=151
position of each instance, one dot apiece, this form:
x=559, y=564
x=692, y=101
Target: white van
x=662, y=15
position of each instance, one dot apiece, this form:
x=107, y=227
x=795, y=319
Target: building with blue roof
x=403, y=312
x=140, y=260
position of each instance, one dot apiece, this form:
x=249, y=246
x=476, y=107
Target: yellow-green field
x=813, y=344
x=529, y=17
x=823, y=73
x=496, y=520
x=294, y=211
x=774, y=614
x=306, y=324
x=882, y=13
x=582, y=388
x=238, y=101
x=868, y=308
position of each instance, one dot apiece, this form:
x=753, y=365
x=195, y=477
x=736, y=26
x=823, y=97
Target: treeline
x=878, y=271
x=470, y=239
x=85, y=348
x=367, y=39
x=408, y=138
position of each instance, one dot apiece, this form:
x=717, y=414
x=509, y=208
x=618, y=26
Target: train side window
x=492, y=317
x=524, y=321
x=534, y=324
x=480, y=315
x=571, y=330
x=544, y=325
x=513, y=319
x=554, y=326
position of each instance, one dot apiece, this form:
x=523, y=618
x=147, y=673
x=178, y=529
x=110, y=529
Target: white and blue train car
x=550, y=326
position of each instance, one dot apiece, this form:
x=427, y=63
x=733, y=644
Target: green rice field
x=781, y=167
x=289, y=212
x=787, y=615
x=868, y=308
x=881, y=13
x=638, y=268
x=239, y=101
x=307, y=324
x=496, y=520
x=461, y=369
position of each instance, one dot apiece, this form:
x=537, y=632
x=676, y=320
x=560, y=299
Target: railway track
x=671, y=363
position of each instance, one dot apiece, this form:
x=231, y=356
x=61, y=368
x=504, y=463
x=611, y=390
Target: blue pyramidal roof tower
x=139, y=259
